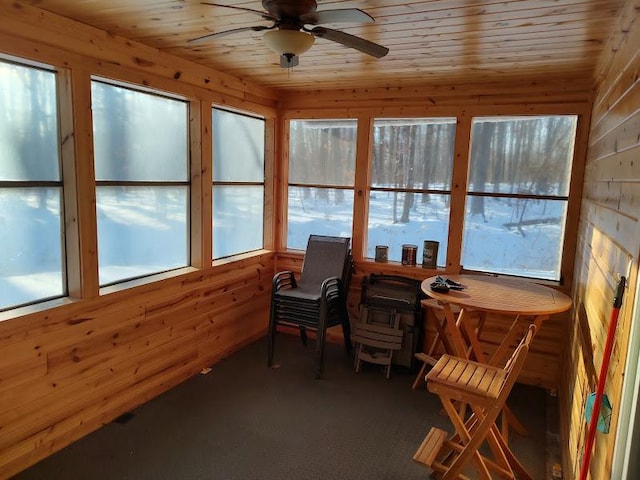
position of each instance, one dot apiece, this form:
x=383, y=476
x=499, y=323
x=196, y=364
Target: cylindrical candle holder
x=409, y=253
x=382, y=253
x=430, y=254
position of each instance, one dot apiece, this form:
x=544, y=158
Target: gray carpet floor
x=246, y=421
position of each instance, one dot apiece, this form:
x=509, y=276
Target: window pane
x=238, y=147
x=522, y=155
x=138, y=136
x=141, y=230
x=429, y=220
x=28, y=124
x=237, y=219
x=31, y=256
x=410, y=154
x=318, y=211
x=413, y=153
x=514, y=236
x=322, y=152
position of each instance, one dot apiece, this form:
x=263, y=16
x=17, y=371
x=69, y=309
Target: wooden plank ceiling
x=431, y=42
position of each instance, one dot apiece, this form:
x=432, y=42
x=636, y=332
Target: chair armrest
x=284, y=280
x=331, y=288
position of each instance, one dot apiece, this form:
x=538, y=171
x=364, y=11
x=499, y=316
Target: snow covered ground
x=491, y=243
x=142, y=240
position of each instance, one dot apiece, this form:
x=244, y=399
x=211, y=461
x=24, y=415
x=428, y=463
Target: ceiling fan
x=289, y=35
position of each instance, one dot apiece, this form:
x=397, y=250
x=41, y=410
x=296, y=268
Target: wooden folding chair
x=377, y=334
x=484, y=388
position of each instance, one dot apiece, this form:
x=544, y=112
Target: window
x=238, y=183
x=31, y=255
x=412, y=164
x=517, y=194
x=322, y=157
x=142, y=188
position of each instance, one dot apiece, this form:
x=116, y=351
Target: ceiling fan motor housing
x=289, y=9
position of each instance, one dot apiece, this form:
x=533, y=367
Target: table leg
x=502, y=353
x=441, y=337
x=471, y=332
x=514, y=463
x=430, y=357
x=452, y=328
x=512, y=337
x=537, y=321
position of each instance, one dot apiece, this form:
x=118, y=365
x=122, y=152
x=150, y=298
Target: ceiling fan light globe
x=289, y=42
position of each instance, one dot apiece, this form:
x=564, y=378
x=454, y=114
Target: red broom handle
x=602, y=379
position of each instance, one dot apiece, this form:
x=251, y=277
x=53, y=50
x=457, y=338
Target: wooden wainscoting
x=68, y=370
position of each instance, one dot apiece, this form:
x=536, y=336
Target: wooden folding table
x=504, y=296
x=481, y=294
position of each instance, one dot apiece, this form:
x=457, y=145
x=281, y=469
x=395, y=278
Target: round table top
x=501, y=295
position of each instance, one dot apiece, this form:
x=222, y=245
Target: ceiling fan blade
x=257, y=28
x=338, y=15
x=348, y=40
x=265, y=15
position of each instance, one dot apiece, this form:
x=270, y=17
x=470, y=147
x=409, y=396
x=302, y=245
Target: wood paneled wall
x=66, y=371
x=608, y=244
x=34, y=33
x=69, y=366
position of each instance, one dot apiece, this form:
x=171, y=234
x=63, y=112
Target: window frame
x=64, y=163
x=135, y=280
x=286, y=184
x=429, y=191
x=464, y=114
x=570, y=205
x=220, y=183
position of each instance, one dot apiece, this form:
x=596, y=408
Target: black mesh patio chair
x=319, y=299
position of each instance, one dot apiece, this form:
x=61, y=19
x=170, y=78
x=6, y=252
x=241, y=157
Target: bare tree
x=408, y=170
x=482, y=138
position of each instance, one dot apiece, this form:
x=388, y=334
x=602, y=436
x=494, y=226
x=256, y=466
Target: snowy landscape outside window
x=31, y=228
x=322, y=157
x=238, y=183
x=142, y=182
x=412, y=163
x=517, y=194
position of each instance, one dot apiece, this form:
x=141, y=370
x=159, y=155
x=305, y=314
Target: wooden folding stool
x=484, y=388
